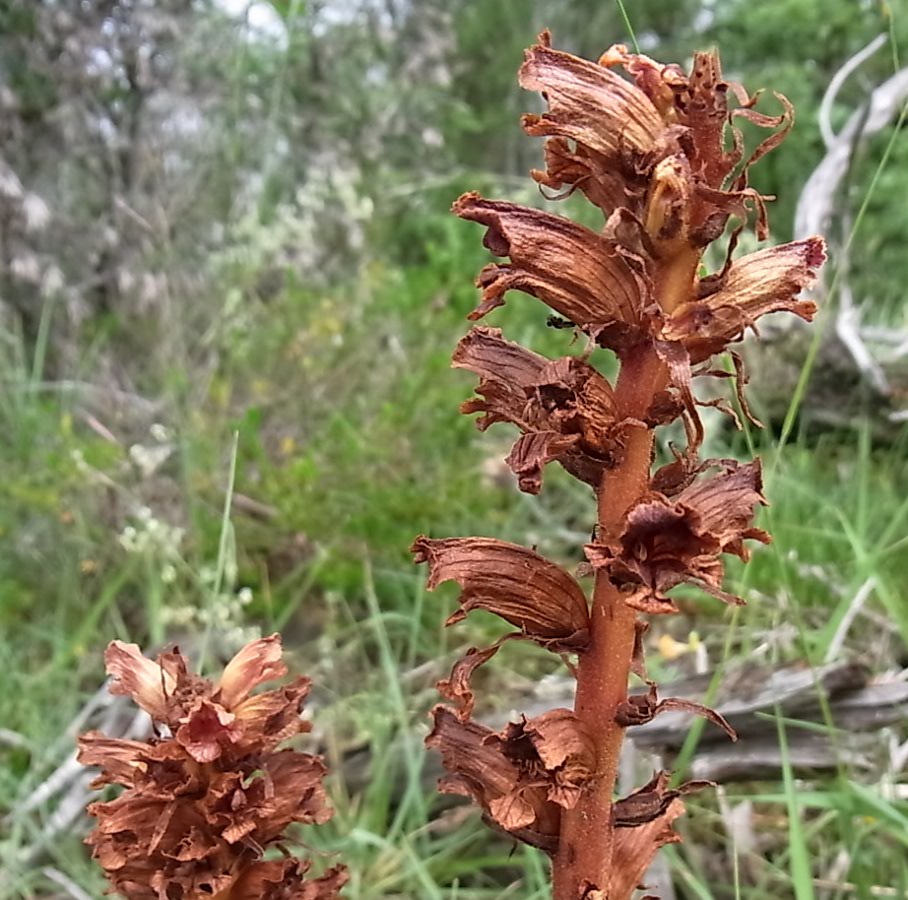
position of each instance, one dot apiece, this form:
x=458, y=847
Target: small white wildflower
x=244, y=595
x=10, y=186
x=169, y=574
x=26, y=268
x=53, y=282
x=159, y=432
x=432, y=137
x=149, y=459
x=36, y=212
x=129, y=539
x=180, y=616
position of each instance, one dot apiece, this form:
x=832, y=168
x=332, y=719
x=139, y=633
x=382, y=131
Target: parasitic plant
x=210, y=791
x=658, y=152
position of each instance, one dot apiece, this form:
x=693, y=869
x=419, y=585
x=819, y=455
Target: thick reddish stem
x=585, y=844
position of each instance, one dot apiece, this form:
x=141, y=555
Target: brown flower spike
x=657, y=150
x=211, y=791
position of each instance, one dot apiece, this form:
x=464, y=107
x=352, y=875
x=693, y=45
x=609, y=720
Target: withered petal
x=118, y=759
x=585, y=169
x=512, y=812
x=565, y=407
x=205, y=729
x=659, y=83
x=639, y=709
x=456, y=687
x=766, y=281
x=513, y=795
x=257, y=662
x=299, y=795
x=590, y=105
x=556, y=748
x=559, y=738
x=270, y=718
x=283, y=879
x=485, y=352
x=480, y=770
x=532, y=452
x=513, y=582
x=150, y=684
x=578, y=273
x=725, y=503
x=131, y=812
x=650, y=801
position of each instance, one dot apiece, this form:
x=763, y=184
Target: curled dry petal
x=149, y=684
x=564, y=407
x=292, y=792
x=522, y=776
x=649, y=802
x=578, y=273
x=479, y=769
x=666, y=542
x=456, y=687
x=257, y=662
x=284, y=879
x=643, y=823
x=118, y=759
x=766, y=281
x=205, y=729
x=572, y=167
x=554, y=746
x=614, y=125
x=532, y=452
x=639, y=709
x=503, y=365
x=537, y=596
x=272, y=717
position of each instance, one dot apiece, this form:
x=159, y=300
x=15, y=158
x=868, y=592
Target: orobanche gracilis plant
x=659, y=153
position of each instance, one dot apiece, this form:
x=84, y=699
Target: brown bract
x=201, y=805
x=669, y=541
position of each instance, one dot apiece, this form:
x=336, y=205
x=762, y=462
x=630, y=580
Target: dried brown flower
x=666, y=542
x=523, y=776
x=203, y=800
x=564, y=407
x=537, y=596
